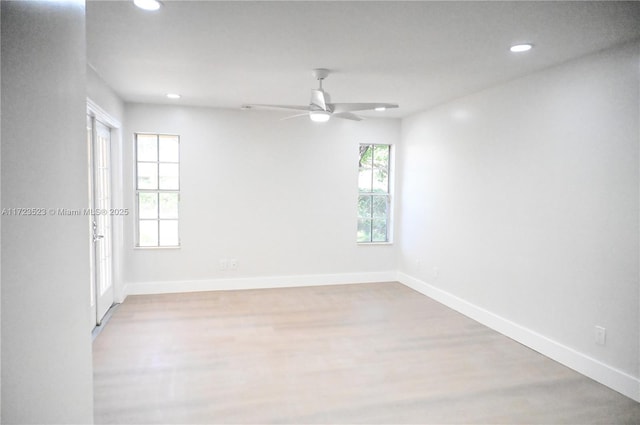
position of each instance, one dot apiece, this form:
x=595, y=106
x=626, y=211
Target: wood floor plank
x=365, y=353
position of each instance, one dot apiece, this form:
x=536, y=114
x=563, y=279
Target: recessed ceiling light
x=173, y=96
x=518, y=48
x=147, y=4
x=380, y=108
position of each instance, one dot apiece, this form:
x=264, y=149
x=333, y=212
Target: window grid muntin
x=156, y=191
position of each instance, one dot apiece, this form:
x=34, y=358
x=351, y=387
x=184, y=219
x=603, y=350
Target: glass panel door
x=101, y=219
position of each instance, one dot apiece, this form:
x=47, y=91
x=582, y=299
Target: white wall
x=279, y=196
x=522, y=200
x=46, y=348
x=103, y=95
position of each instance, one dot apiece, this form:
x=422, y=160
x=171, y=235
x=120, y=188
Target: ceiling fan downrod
x=320, y=74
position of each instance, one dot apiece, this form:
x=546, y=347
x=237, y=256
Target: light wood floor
x=368, y=353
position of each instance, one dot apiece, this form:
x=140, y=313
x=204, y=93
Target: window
x=374, y=198
x=157, y=190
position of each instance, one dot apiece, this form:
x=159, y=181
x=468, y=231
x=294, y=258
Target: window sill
x=373, y=243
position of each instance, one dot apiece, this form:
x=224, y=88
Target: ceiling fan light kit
x=321, y=109
x=520, y=48
x=148, y=4
x=319, y=116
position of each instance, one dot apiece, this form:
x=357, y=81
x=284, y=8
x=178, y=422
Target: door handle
x=96, y=236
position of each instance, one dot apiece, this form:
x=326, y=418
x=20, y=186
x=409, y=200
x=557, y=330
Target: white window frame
x=159, y=191
x=388, y=195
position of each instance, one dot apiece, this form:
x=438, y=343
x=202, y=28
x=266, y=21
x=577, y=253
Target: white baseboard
x=166, y=287
x=611, y=377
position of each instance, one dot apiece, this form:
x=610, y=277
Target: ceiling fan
x=320, y=109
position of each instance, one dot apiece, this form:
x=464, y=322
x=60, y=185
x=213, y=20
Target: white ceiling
x=417, y=54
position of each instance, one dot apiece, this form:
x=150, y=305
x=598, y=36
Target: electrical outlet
x=224, y=265
x=600, y=335
x=435, y=272
x=233, y=264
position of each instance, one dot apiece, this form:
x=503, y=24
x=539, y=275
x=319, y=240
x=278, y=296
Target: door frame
x=117, y=221
x=102, y=264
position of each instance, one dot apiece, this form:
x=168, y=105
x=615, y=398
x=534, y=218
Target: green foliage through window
x=373, y=198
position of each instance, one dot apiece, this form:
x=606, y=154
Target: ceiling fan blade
x=294, y=107
x=348, y=107
x=347, y=116
x=306, y=114
x=318, y=99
